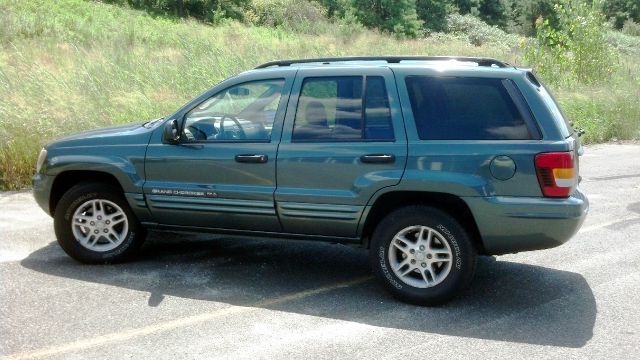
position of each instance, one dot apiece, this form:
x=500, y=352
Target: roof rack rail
x=481, y=61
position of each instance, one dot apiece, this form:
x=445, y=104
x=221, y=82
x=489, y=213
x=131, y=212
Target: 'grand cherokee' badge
x=178, y=192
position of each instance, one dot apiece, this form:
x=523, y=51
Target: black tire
x=74, y=198
x=463, y=255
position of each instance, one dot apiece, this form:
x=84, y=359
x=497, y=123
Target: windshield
x=151, y=123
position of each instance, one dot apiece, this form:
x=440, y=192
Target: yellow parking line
x=178, y=323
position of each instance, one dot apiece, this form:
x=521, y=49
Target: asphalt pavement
x=208, y=296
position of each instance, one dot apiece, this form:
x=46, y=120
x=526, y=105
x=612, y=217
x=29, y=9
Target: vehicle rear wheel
x=94, y=224
x=422, y=255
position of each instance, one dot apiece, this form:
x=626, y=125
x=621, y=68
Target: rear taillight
x=556, y=173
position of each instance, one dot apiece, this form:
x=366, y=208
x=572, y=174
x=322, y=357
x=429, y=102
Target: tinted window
x=465, y=109
x=331, y=108
x=376, y=112
x=241, y=112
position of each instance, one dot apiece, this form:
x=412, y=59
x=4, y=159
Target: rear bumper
x=42, y=190
x=514, y=224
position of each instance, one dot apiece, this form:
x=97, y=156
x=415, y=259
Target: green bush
x=337, y=8
x=71, y=65
x=433, y=13
x=297, y=15
x=394, y=16
x=576, y=50
x=493, y=12
x=618, y=11
x=631, y=27
x=625, y=44
x=205, y=10
x=522, y=15
x=478, y=32
x=604, y=114
x=466, y=6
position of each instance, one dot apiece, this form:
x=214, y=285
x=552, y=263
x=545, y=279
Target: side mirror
x=171, y=133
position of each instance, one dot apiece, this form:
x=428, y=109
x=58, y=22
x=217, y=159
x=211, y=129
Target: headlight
x=41, y=159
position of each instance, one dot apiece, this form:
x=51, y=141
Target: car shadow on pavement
x=507, y=301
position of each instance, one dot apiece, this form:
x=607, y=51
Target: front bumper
x=514, y=224
x=42, y=185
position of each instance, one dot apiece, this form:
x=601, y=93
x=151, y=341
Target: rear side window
x=377, y=114
x=343, y=108
x=452, y=108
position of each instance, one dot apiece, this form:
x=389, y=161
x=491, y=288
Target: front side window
x=454, y=108
x=343, y=108
x=241, y=112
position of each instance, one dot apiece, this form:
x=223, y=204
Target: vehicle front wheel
x=94, y=224
x=422, y=255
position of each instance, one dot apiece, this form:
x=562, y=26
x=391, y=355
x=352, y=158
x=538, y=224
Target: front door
x=223, y=172
x=343, y=140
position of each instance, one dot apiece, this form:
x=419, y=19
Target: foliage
x=394, y=16
x=387, y=15
x=515, y=16
x=337, y=8
x=576, y=49
x=478, y=32
x=467, y=6
x=623, y=43
x=71, y=65
x=621, y=10
x=205, y=10
x=433, y=13
x=603, y=113
x=291, y=14
x=631, y=27
x=493, y=12
x=522, y=15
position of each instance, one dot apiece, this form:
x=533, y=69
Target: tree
x=493, y=12
x=466, y=6
x=621, y=10
x=433, y=13
x=575, y=49
x=206, y=10
x=395, y=16
x=524, y=14
x=335, y=7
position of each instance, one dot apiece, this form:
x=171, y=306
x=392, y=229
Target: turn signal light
x=556, y=173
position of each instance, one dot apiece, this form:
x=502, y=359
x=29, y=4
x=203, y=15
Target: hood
x=129, y=134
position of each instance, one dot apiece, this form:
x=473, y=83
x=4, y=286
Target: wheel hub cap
x=420, y=256
x=100, y=225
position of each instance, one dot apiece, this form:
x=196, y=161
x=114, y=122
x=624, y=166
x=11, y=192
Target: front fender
x=124, y=162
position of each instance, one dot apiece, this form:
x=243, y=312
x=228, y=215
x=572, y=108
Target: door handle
x=252, y=158
x=378, y=158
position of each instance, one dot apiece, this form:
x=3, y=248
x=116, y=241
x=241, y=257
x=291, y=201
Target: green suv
x=425, y=161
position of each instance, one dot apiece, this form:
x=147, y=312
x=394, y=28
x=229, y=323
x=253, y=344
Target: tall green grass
x=69, y=65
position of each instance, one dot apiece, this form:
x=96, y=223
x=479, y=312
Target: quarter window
x=337, y=108
x=241, y=112
x=451, y=108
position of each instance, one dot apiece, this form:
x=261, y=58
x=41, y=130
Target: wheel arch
x=451, y=204
x=66, y=180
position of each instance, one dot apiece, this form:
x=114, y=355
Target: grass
x=70, y=65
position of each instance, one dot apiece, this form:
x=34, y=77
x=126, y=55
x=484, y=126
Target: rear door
x=343, y=140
